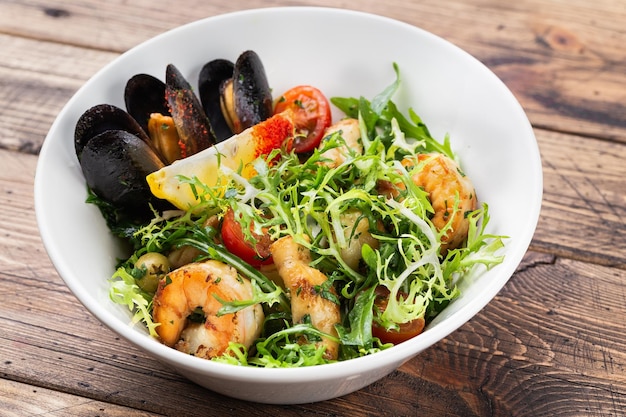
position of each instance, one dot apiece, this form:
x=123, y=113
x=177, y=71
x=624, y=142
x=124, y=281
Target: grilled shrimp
x=357, y=235
x=351, y=134
x=198, y=285
x=303, y=282
x=451, y=195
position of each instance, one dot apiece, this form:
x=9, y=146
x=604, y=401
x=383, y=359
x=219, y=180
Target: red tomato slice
x=405, y=331
x=311, y=113
x=235, y=242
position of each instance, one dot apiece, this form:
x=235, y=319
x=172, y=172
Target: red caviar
x=272, y=134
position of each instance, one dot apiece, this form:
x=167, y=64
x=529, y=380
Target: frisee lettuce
x=307, y=200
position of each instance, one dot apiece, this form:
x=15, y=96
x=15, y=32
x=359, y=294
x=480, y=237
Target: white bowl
x=344, y=53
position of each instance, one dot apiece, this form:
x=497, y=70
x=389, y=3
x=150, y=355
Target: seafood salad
x=263, y=233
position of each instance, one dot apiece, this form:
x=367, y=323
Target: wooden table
x=552, y=343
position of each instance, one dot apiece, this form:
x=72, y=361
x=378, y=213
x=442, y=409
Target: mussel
x=211, y=77
x=144, y=95
x=193, y=126
x=163, y=122
x=115, y=156
x=101, y=118
x=242, y=90
x=170, y=113
x=115, y=164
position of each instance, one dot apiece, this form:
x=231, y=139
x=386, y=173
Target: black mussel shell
x=211, y=76
x=99, y=119
x=144, y=95
x=193, y=125
x=252, y=94
x=115, y=164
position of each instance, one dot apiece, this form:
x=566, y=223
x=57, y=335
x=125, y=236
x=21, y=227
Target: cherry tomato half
x=235, y=242
x=405, y=330
x=311, y=112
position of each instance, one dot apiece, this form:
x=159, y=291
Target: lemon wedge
x=236, y=153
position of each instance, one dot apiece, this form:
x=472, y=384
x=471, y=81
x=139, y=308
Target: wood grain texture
x=568, y=78
x=50, y=338
x=550, y=344
x=583, y=206
x=496, y=364
x=36, y=80
x=20, y=400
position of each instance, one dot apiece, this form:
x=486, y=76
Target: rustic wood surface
x=552, y=343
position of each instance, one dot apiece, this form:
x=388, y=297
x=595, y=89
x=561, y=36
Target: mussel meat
x=164, y=122
x=245, y=95
x=170, y=113
x=117, y=149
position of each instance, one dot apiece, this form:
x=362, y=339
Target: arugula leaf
x=381, y=100
x=360, y=319
x=380, y=113
x=290, y=347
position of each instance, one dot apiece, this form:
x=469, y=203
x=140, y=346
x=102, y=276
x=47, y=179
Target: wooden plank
x=583, y=207
x=569, y=335
x=549, y=344
x=17, y=400
x=34, y=90
x=555, y=346
x=568, y=78
x=126, y=25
